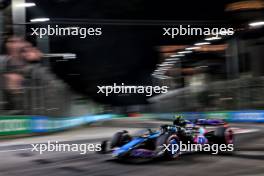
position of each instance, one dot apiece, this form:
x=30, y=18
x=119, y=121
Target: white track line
x=242, y=131
x=15, y=150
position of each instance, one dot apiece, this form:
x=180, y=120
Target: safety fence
x=41, y=92
x=239, y=94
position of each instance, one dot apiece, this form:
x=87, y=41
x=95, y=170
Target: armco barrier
x=15, y=125
x=254, y=116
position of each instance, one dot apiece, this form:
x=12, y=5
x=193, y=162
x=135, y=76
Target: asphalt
x=17, y=159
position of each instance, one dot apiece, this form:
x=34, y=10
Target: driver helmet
x=178, y=119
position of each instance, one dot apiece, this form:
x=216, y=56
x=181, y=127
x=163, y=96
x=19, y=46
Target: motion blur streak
x=248, y=157
x=54, y=85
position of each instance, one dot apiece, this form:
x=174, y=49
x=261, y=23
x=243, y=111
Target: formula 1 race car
x=160, y=143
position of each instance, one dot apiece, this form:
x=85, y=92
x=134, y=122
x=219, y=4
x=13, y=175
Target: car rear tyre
x=224, y=135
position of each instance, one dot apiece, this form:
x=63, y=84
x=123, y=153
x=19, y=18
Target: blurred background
x=38, y=77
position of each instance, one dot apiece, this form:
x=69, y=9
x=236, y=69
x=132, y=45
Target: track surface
x=248, y=160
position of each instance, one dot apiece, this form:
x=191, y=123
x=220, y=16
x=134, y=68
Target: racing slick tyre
x=225, y=136
x=120, y=138
x=170, y=140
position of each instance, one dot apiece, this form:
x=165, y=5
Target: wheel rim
x=229, y=136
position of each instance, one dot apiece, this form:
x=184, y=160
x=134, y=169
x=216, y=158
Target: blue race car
x=152, y=144
x=210, y=122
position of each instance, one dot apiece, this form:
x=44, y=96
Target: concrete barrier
x=16, y=125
